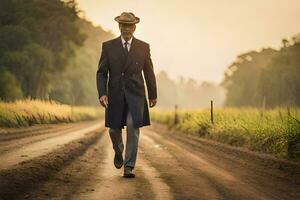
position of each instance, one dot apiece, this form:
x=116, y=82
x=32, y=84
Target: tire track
x=108, y=182
x=159, y=187
x=81, y=167
x=15, y=134
x=21, y=174
x=39, y=148
x=182, y=181
x=8, y=144
x=73, y=179
x=225, y=180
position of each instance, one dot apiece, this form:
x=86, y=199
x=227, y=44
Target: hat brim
x=137, y=20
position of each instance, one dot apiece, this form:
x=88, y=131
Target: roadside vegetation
x=29, y=112
x=274, y=131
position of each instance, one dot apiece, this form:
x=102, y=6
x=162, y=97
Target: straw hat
x=127, y=18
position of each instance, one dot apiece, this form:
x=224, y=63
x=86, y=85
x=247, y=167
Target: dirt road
x=75, y=161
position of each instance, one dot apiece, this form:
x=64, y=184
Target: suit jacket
x=120, y=78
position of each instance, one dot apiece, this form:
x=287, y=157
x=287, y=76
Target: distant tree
x=32, y=66
x=242, y=76
x=38, y=40
x=280, y=81
x=210, y=91
x=9, y=87
x=167, y=90
x=13, y=38
x=76, y=84
x=268, y=75
x=187, y=93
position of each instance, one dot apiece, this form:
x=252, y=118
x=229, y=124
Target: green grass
x=30, y=112
x=275, y=132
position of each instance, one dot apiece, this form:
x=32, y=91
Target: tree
x=9, y=87
x=280, y=81
x=269, y=74
x=37, y=40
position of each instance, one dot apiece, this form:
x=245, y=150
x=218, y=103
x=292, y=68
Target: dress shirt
x=128, y=43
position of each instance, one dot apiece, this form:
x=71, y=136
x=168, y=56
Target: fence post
x=288, y=111
x=212, y=111
x=263, y=107
x=176, y=115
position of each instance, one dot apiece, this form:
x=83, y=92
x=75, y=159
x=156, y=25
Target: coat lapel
x=120, y=51
x=130, y=54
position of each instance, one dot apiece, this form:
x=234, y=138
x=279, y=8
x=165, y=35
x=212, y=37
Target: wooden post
x=263, y=107
x=212, y=111
x=176, y=115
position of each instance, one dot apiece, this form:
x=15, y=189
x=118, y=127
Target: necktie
x=126, y=48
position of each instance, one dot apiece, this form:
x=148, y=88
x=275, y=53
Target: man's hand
x=103, y=101
x=152, y=102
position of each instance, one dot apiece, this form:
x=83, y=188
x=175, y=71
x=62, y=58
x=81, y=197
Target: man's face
x=127, y=30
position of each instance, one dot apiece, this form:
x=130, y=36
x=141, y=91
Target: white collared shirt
x=128, y=43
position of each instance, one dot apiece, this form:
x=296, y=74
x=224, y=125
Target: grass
x=29, y=112
x=276, y=131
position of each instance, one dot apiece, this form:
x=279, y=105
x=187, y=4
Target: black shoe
x=128, y=173
x=118, y=160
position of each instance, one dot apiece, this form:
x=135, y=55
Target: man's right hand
x=103, y=101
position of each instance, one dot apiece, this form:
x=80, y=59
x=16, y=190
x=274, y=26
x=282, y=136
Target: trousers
x=132, y=140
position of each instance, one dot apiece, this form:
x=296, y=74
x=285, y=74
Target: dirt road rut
x=76, y=162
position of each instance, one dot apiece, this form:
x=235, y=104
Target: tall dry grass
x=29, y=112
x=275, y=131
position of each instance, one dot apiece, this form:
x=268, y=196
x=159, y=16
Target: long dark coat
x=120, y=78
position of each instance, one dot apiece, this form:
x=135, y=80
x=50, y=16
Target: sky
x=200, y=38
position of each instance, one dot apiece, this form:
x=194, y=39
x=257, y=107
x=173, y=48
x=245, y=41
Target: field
x=30, y=112
x=275, y=131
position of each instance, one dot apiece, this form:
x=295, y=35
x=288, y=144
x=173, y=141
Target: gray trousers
x=131, y=141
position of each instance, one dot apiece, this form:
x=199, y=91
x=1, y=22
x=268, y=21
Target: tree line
x=47, y=51
x=187, y=92
x=265, y=78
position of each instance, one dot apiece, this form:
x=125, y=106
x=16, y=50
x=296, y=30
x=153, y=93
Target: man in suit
x=121, y=89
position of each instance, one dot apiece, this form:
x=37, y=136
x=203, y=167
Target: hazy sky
x=200, y=38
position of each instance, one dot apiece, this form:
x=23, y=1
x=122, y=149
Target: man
x=121, y=89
